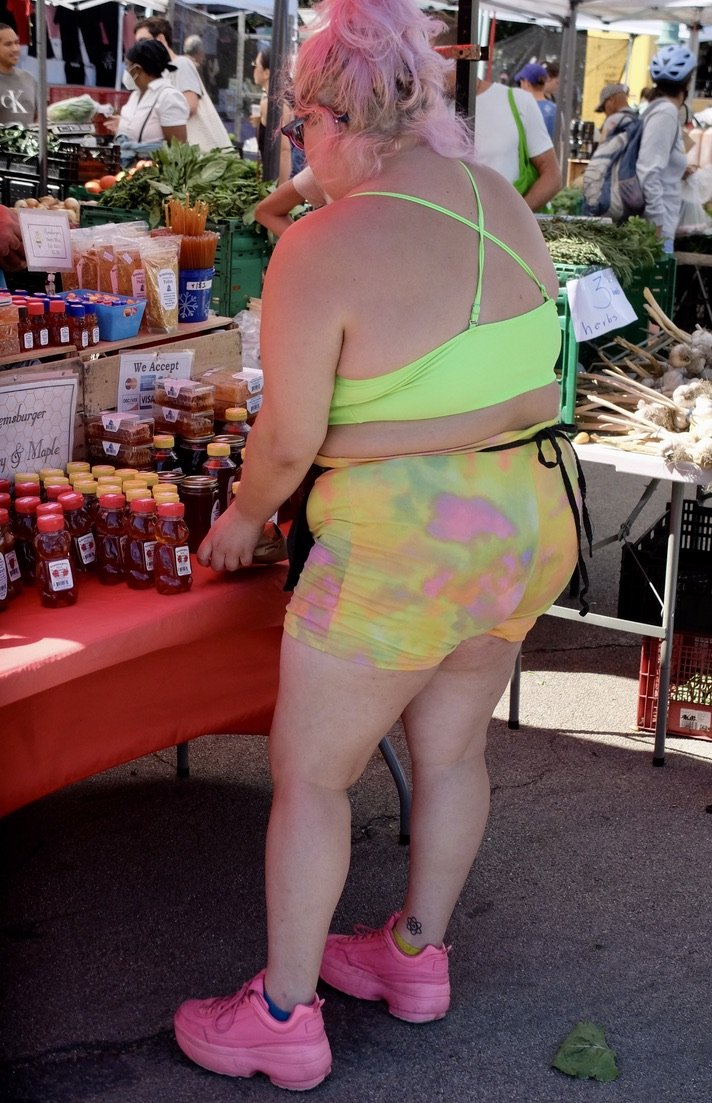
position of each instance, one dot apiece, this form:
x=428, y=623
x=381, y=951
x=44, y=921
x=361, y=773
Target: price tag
x=598, y=305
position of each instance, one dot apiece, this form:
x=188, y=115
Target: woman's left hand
x=230, y=542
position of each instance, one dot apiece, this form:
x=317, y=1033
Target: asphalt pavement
x=590, y=901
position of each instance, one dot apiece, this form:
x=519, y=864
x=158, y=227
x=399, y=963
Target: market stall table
x=657, y=470
x=124, y=673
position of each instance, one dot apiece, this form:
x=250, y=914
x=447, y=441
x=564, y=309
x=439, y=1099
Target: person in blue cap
x=532, y=78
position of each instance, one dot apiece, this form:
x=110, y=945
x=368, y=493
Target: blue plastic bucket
x=194, y=293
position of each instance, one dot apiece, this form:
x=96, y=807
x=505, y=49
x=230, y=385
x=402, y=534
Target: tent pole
x=119, y=46
x=567, y=87
x=41, y=32
x=468, y=13
x=278, y=61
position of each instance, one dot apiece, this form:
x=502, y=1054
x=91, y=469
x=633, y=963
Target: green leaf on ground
x=585, y=1055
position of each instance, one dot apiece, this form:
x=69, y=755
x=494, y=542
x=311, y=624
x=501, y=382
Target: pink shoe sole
x=229, y=1063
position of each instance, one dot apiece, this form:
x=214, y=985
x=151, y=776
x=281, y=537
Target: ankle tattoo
x=413, y=925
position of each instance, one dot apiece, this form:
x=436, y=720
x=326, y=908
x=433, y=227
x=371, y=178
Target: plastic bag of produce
x=696, y=190
x=76, y=109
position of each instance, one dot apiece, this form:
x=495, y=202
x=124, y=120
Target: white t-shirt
x=161, y=105
x=496, y=135
x=185, y=77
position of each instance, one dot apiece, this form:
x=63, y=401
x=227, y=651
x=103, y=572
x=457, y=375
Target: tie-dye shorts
x=413, y=555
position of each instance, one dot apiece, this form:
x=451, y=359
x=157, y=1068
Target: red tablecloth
x=123, y=673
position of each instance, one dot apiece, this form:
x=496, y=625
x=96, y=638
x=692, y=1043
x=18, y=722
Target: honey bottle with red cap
x=110, y=537
x=172, y=568
x=140, y=543
x=53, y=567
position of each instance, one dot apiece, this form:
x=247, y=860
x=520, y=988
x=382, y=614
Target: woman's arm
x=273, y=212
x=301, y=338
x=179, y=132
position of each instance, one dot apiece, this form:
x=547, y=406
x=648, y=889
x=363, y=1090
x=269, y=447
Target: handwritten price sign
x=598, y=305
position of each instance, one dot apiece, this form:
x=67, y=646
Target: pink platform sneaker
x=369, y=965
x=237, y=1036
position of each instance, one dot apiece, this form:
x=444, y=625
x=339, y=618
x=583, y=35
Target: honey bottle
x=10, y=579
x=164, y=458
x=219, y=466
x=80, y=531
x=53, y=568
x=140, y=544
x=109, y=532
x=172, y=568
x=25, y=532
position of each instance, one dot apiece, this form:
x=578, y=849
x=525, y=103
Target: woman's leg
x=330, y=716
x=446, y=729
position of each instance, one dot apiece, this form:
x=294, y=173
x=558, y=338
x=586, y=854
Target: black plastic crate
x=643, y=567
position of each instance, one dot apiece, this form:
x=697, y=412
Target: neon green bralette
x=479, y=367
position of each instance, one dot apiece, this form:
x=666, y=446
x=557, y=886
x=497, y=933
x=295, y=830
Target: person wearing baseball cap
x=612, y=101
x=532, y=78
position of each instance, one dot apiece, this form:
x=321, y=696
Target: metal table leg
x=677, y=497
x=393, y=763
x=182, y=760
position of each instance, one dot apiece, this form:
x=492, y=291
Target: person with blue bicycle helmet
x=662, y=161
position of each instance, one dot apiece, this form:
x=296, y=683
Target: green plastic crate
x=240, y=261
x=100, y=216
x=567, y=364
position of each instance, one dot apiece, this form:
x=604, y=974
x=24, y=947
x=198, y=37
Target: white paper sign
x=45, y=236
x=138, y=372
x=37, y=424
x=598, y=305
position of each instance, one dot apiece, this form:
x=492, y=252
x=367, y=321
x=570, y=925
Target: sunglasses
x=294, y=131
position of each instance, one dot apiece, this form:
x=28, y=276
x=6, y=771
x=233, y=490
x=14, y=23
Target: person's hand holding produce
x=112, y=123
x=12, y=252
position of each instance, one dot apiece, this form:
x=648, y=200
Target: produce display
x=230, y=186
x=656, y=400
x=21, y=142
x=51, y=203
x=588, y=241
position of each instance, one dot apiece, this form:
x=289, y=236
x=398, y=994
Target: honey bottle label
x=149, y=554
x=182, y=554
x=13, y=566
x=86, y=548
x=3, y=578
x=60, y=575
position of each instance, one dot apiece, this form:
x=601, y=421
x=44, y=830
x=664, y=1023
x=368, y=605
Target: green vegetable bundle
x=22, y=142
x=589, y=241
x=230, y=186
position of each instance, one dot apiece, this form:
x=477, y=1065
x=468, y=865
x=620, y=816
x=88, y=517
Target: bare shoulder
x=509, y=218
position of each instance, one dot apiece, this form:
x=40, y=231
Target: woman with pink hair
x=409, y=336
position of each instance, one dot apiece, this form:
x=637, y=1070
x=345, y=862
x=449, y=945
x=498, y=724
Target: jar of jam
x=170, y=478
x=193, y=452
x=79, y=526
x=10, y=578
x=53, y=569
x=220, y=466
x=199, y=495
x=164, y=457
x=172, y=569
x=140, y=544
x=109, y=531
x=25, y=532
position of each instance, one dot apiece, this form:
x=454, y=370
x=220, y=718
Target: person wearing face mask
x=155, y=111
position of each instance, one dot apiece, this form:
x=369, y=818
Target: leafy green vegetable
x=230, y=186
x=585, y=1055
x=20, y=140
x=586, y=241
x=567, y=201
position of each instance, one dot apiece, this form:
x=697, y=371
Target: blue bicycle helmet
x=672, y=63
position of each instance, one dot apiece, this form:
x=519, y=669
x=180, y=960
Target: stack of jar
x=33, y=322
x=116, y=523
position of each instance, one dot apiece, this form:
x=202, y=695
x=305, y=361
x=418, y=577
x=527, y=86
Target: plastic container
x=127, y=429
x=10, y=576
x=55, y=577
x=192, y=395
x=218, y=465
x=58, y=323
x=182, y=423
x=109, y=539
x=140, y=543
x=172, y=570
x=25, y=530
x=164, y=457
x=240, y=388
x=118, y=316
x=195, y=288
x=38, y=321
x=79, y=526
x=138, y=455
x=690, y=693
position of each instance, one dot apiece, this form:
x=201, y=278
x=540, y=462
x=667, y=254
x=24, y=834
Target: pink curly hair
x=373, y=60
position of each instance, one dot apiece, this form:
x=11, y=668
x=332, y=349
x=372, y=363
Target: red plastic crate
x=690, y=697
